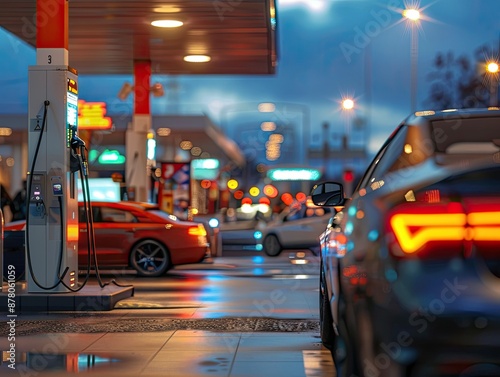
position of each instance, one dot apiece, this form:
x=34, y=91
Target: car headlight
x=213, y=222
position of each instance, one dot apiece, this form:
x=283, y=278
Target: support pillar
x=52, y=18
x=136, y=174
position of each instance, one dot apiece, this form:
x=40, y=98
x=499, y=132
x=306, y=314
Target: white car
x=296, y=227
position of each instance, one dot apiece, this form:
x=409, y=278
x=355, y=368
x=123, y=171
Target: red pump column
x=52, y=213
x=52, y=32
x=136, y=135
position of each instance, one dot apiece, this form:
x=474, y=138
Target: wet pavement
x=247, y=316
x=171, y=353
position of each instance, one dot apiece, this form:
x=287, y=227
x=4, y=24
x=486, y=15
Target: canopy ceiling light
x=167, y=23
x=167, y=9
x=5, y=131
x=197, y=58
x=127, y=88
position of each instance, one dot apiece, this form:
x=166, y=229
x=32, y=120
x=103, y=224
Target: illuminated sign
x=111, y=157
x=205, y=168
x=71, y=110
x=91, y=116
x=72, y=87
x=101, y=189
x=294, y=174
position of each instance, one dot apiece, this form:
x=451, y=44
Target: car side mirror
x=327, y=194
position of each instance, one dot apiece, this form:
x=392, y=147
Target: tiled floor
x=170, y=353
x=187, y=353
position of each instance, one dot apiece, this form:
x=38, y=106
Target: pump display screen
x=72, y=110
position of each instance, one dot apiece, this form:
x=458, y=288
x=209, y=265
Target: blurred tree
x=455, y=82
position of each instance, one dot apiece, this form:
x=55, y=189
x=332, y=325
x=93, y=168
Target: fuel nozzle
x=78, y=156
x=77, y=144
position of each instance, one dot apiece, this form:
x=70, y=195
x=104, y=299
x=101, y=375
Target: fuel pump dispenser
x=52, y=216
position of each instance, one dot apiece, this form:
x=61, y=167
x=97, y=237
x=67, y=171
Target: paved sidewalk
x=132, y=341
x=188, y=353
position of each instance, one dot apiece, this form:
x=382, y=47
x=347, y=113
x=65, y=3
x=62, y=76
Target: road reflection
x=31, y=363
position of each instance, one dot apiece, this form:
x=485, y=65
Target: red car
x=138, y=235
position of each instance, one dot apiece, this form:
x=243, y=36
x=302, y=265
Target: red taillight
x=197, y=230
x=436, y=229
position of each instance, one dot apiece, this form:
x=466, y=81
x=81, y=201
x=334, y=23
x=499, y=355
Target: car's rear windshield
x=467, y=135
x=481, y=182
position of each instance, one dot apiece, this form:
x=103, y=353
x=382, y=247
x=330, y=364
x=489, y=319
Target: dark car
x=136, y=235
x=410, y=266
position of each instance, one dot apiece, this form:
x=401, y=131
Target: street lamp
x=348, y=105
x=413, y=16
x=492, y=68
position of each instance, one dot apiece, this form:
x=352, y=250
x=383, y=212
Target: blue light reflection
x=391, y=275
x=373, y=235
x=258, y=259
x=348, y=228
x=350, y=246
x=216, y=278
x=258, y=271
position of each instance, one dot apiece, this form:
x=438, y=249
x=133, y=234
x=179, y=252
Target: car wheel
x=272, y=246
x=150, y=258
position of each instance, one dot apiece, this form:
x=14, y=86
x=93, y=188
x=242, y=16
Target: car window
x=483, y=182
x=115, y=215
x=295, y=214
x=466, y=135
x=96, y=214
x=389, y=160
x=386, y=160
x=366, y=179
x=164, y=215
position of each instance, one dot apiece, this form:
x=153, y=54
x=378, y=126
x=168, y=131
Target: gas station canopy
x=107, y=36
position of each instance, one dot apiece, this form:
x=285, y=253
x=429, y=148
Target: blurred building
x=176, y=138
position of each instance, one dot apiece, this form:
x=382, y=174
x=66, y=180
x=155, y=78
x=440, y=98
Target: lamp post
x=413, y=16
x=492, y=68
x=348, y=106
